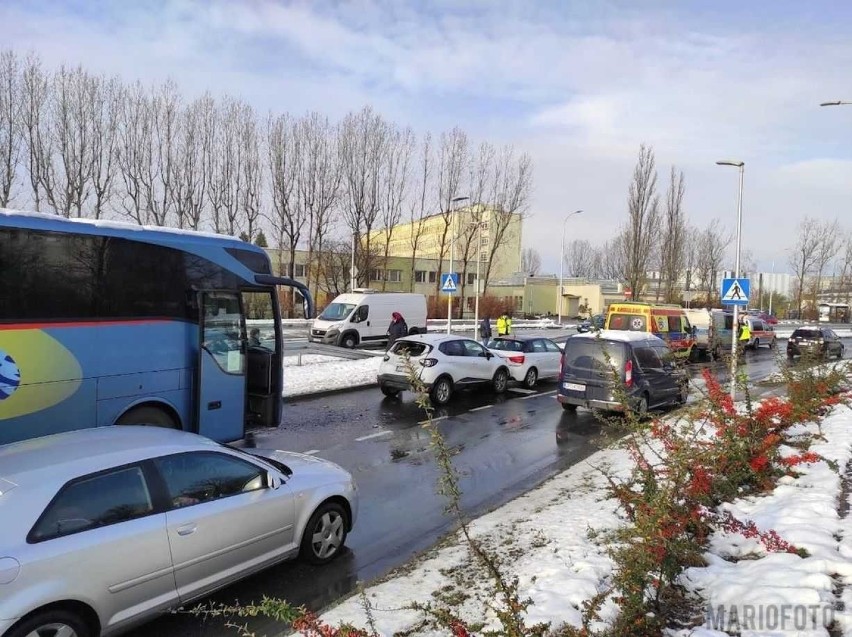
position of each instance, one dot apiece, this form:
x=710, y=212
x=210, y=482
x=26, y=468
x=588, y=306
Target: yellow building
x=473, y=226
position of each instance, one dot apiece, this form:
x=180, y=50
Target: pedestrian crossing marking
x=449, y=284
x=735, y=291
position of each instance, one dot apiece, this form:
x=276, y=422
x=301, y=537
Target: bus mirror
x=273, y=480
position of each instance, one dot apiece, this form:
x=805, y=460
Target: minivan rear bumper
x=605, y=405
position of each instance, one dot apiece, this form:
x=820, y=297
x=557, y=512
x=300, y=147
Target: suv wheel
x=442, y=391
x=641, y=409
x=500, y=381
x=531, y=378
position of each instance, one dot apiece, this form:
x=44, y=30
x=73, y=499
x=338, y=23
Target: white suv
x=444, y=363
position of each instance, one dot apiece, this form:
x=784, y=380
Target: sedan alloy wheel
x=325, y=534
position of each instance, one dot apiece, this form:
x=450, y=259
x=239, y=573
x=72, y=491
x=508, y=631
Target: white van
x=363, y=316
x=699, y=318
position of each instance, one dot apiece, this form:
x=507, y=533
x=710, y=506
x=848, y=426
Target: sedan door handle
x=187, y=529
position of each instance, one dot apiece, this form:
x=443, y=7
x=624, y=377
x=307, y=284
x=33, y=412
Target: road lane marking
x=375, y=435
x=518, y=390
x=425, y=423
x=483, y=407
x=311, y=452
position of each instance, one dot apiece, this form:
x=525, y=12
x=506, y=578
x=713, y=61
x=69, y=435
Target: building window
x=483, y=256
x=376, y=275
x=471, y=278
x=470, y=302
x=483, y=225
x=519, y=303
x=483, y=241
x=299, y=270
x=433, y=277
x=420, y=276
x=394, y=276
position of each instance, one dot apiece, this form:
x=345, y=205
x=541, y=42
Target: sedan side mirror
x=273, y=480
x=489, y=355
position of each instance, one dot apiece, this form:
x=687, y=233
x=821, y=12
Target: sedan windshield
x=337, y=311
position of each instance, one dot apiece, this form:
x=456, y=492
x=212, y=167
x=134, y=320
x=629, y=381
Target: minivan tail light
x=628, y=373
x=519, y=360
x=428, y=362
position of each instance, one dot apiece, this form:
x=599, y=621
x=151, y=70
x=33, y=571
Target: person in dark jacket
x=485, y=330
x=398, y=328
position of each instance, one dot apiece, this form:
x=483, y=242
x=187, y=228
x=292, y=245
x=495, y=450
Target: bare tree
x=65, y=172
x=482, y=186
x=513, y=184
x=713, y=242
x=673, y=243
x=420, y=206
x=363, y=146
x=333, y=267
x=249, y=195
x=828, y=244
x=318, y=182
x=643, y=221
x=581, y=259
x=227, y=174
x=530, y=261
x=193, y=164
x=690, y=256
x=288, y=217
x=613, y=261
x=11, y=137
x=803, y=256
x=136, y=152
x=846, y=268
x=452, y=160
x=34, y=124
x=395, y=170
x=106, y=96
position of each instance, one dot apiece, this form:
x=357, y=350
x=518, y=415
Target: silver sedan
x=104, y=528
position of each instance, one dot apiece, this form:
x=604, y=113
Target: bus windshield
x=337, y=311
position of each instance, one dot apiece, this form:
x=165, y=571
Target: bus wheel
x=147, y=415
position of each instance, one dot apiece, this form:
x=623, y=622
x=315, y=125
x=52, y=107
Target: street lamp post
x=741, y=166
x=562, y=263
x=454, y=200
x=478, y=263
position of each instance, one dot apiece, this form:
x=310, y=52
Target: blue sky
x=578, y=85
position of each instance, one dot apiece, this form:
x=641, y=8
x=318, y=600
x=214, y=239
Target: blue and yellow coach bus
x=108, y=323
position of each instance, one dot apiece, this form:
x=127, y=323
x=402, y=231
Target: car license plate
x=574, y=386
x=400, y=368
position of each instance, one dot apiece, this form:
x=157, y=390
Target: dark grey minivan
x=643, y=364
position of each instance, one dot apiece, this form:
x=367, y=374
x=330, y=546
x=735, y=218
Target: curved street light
x=562, y=262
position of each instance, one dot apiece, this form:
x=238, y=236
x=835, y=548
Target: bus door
x=221, y=388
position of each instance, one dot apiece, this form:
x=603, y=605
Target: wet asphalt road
x=504, y=445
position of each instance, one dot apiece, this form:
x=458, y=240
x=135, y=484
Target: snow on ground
x=308, y=359
x=329, y=376
x=546, y=538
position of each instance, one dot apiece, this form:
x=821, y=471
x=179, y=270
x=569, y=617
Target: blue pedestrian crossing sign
x=735, y=291
x=450, y=282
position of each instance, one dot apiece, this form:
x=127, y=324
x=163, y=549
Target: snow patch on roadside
x=329, y=376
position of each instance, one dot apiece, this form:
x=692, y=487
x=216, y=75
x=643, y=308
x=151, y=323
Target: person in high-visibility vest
x=504, y=325
x=501, y=325
x=745, y=335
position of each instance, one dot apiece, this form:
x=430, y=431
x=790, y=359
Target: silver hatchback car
x=104, y=528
